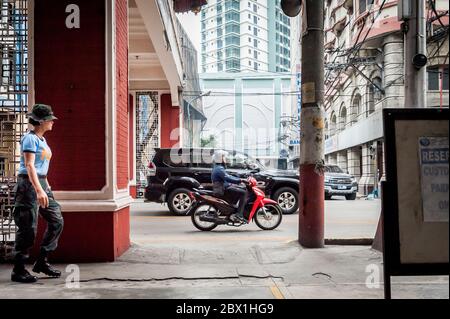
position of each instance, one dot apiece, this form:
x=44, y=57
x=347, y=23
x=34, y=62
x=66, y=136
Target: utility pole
x=312, y=196
x=415, y=29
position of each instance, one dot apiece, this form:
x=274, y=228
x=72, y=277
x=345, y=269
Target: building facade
x=364, y=58
x=245, y=35
x=245, y=112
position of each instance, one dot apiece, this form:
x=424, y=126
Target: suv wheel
x=287, y=198
x=179, y=201
x=351, y=196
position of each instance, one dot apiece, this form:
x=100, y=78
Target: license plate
x=342, y=187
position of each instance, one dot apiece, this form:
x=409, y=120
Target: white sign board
x=434, y=174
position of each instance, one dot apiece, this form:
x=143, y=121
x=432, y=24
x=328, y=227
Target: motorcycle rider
x=224, y=183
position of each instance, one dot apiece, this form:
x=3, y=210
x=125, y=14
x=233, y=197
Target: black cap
x=42, y=112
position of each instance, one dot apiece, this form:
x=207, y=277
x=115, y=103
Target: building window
x=342, y=118
x=374, y=95
x=333, y=124
x=356, y=106
x=437, y=78
x=363, y=4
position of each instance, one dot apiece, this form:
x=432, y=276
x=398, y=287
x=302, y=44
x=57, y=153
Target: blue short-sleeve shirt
x=31, y=143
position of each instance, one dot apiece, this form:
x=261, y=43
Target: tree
x=209, y=141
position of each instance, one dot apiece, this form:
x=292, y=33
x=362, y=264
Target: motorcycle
x=209, y=211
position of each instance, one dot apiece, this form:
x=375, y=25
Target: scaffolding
x=13, y=107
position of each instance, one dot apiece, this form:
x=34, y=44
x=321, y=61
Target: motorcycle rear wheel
x=270, y=222
x=200, y=211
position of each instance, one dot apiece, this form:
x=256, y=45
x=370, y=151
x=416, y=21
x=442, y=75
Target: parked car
x=336, y=181
x=174, y=173
x=339, y=183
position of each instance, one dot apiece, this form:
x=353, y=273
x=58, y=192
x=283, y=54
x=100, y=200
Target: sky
x=192, y=25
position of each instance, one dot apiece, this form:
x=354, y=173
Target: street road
x=152, y=224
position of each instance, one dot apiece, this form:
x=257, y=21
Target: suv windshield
x=333, y=169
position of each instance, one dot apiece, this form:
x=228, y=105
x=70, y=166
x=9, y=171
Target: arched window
x=342, y=118
x=327, y=128
x=374, y=95
x=333, y=125
x=356, y=108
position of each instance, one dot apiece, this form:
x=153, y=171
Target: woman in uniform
x=33, y=196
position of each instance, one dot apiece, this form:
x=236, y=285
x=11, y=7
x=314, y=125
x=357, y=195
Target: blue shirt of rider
x=219, y=175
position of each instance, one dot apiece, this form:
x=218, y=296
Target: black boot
x=20, y=274
x=42, y=266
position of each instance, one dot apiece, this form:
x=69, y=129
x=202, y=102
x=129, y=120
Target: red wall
x=69, y=75
x=170, y=120
x=122, y=93
x=89, y=236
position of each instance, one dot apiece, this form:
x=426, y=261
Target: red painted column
x=170, y=117
x=312, y=206
x=76, y=71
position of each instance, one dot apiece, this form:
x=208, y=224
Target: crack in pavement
x=179, y=278
x=327, y=276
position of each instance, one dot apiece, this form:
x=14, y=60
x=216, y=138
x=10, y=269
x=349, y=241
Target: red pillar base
x=133, y=192
x=89, y=237
x=312, y=206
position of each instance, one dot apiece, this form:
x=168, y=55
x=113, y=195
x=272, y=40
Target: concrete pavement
x=170, y=259
x=266, y=271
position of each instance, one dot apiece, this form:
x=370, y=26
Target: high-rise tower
x=245, y=36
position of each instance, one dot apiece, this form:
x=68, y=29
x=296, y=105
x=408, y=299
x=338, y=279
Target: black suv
x=173, y=173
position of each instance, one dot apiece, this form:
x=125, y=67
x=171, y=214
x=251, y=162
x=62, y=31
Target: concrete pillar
x=342, y=160
x=353, y=163
x=82, y=72
x=393, y=49
x=366, y=183
x=332, y=159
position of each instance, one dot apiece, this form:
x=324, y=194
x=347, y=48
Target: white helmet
x=219, y=156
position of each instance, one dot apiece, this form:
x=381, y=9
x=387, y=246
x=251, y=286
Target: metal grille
x=13, y=107
x=147, y=133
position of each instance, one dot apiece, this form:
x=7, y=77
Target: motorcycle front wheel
x=199, y=212
x=270, y=218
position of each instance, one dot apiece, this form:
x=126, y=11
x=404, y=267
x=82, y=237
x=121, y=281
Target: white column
x=342, y=160
x=353, y=163
x=366, y=183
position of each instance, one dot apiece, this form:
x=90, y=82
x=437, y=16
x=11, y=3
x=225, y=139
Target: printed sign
x=434, y=155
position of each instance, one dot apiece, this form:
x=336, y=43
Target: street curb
x=349, y=242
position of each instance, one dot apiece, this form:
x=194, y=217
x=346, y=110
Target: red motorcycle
x=209, y=211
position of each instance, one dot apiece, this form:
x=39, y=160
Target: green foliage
x=209, y=141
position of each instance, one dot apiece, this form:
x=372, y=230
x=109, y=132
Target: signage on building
x=434, y=156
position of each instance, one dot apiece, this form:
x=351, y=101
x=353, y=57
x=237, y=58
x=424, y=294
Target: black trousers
x=239, y=193
x=26, y=212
